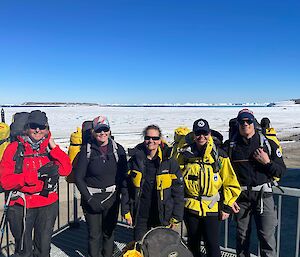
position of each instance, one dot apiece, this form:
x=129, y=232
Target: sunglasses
x=201, y=132
x=104, y=129
x=35, y=126
x=242, y=122
x=153, y=138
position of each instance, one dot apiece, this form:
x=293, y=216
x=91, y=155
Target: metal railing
x=287, y=193
x=69, y=215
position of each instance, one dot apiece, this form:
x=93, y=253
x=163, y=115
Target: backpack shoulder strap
x=115, y=149
x=263, y=141
x=232, y=144
x=88, y=151
x=215, y=155
x=19, y=158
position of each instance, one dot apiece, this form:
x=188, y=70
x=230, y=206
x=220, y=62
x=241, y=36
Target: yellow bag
x=179, y=133
x=4, y=137
x=179, y=139
x=74, y=149
x=132, y=252
x=75, y=144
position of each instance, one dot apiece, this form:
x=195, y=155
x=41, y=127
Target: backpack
x=4, y=137
x=74, y=149
x=163, y=242
x=17, y=126
x=270, y=133
x=179, y=140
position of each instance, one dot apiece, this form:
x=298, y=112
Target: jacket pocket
x=136, y=177
x=163, y=182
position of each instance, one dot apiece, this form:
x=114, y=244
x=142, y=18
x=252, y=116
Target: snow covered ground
x=127, y=123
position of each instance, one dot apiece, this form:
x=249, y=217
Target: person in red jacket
x=31, y=167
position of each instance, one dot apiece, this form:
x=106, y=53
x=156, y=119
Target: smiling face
x=37, y=132
x=152, y=139
x=201, y=138
x=102, y=135
x=246, y=128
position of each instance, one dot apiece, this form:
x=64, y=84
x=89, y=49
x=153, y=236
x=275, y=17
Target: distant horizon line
x=63, y=104
x=36, y=103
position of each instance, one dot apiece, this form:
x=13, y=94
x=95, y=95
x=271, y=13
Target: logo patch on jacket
x=278, y=153
x=215, y=177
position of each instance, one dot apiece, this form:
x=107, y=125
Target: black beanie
x=38, y=117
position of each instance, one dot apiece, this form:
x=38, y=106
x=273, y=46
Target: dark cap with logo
x=201, y=125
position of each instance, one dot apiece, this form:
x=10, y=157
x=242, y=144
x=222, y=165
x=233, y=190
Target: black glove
x=95, y=203
x=50, y=169
x=49, y=174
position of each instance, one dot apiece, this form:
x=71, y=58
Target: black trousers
x=206, y=228
x=41, y=220
x=101, y=228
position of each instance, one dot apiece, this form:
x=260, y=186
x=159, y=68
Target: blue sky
x=154, y=51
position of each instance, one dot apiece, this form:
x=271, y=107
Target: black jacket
x=169, y=186
x=249, y=171
x=99, y=171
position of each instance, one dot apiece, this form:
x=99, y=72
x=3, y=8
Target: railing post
x=58, y=215
x=75, y=204
x=279, y=223
x=7, y=239
x=226, y=234
x=298, y=231
x=68, y=201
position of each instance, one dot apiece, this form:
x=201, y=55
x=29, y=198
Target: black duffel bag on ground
x=163, y=242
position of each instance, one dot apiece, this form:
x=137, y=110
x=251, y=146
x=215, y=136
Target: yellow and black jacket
x=168, y=185
x=208, y=177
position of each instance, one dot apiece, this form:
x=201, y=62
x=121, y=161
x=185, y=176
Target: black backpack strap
x=217, y=164
x=71, y=144
x=19, y=158
x=4, y=140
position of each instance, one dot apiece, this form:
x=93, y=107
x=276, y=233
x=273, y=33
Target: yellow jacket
x=206, y=178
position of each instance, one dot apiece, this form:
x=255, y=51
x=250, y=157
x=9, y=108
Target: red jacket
x=28, y=182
